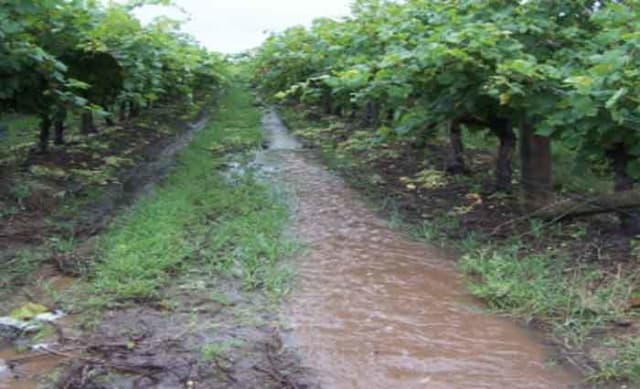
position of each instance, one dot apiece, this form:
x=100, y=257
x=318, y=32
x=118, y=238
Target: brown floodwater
x=374, y=309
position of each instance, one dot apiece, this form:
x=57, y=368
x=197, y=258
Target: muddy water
x=23, y=369
x=373, y=309
x=27, y=373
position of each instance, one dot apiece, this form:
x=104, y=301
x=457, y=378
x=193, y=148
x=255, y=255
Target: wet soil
x=371, y=309
x=374, y=309
x=58, y=203
x=378, y=170
x=190, y=339
x=20, y=366
x=205, y=332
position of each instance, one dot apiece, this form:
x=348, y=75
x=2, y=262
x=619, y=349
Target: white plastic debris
x=49, y=316
x=40, y=347
x=11, y=328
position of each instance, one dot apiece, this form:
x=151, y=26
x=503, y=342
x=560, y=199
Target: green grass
x=541, y=286
x=17, y=267
x=19, y=129
x=573, y=175
x=577, y=302
x=625, y=363
x=200, y=218
x=212, y=351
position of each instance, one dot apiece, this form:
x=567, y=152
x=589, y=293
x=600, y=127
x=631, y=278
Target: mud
x=21, y=367
x=374, y=309
x=26, y=372
x=205, y=332
x=165, y=345
x=28, y=361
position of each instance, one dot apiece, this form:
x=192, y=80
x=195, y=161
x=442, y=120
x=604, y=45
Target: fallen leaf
x=28, y=311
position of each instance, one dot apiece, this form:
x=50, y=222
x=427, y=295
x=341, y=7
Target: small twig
x=56, y=352
x=25, y=358
x=226, y=371
x=274, y=373
x=276, y=377
x=585, y=370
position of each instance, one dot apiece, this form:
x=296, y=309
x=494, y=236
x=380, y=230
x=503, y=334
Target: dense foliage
x=81, y=55
x=552, y=70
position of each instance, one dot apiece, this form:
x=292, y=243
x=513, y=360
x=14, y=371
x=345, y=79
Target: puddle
x=24, y=363
x=373, y=309
x=22, y=367
x=27, y=373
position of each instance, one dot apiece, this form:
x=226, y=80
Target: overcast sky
x=232, y=26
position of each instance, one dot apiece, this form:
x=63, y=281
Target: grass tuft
x=578, y=303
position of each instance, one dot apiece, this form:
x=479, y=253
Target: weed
x=9, y=211
x=61, y=245
x=20, y=191
x=539, y=286
x=17, y=132
x=221, y=298
x=575, y=175
x=45, y=332
x=212, y=351
x=429, y=178
x=23, y=263
x=578, y=230
x=536, y=228
x=635, y=247
x=624, y=365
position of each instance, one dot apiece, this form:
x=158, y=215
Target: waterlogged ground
x=373, y=309
x=182, y=287
x=369, y=307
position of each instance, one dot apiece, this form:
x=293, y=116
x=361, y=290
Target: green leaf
x=617, y=96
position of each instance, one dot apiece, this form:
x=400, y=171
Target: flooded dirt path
x=373, y=309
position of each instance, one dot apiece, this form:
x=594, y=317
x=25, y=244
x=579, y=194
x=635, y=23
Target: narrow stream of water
x=373, y=309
